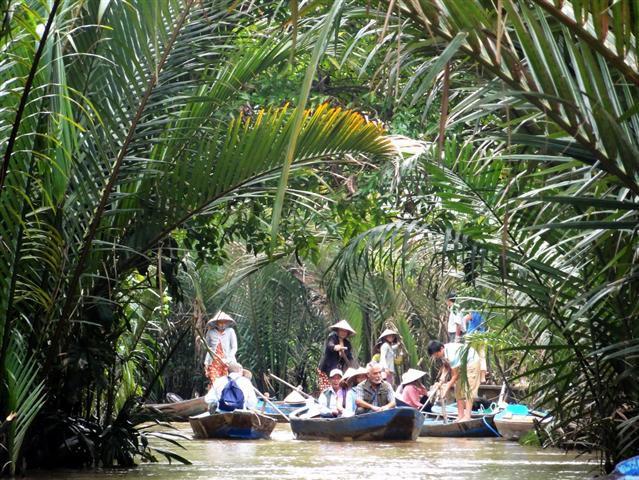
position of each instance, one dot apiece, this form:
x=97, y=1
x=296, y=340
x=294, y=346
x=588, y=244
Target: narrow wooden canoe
x=473, y=428
x=513, y=427
x=180, y=411
x=238, y=425
x=395, y=424
x=285, y=407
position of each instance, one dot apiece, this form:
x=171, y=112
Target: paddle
x=284, y=382
x=266, y=400
x=435, y=389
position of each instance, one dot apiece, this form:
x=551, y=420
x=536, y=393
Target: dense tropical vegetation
x=297, y=163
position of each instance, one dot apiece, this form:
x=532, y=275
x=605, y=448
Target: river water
x=283, y=457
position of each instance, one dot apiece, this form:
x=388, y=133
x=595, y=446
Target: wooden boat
x=179, y=411
x=238, y=425
x=394, y=424
x=513, y=424
x=473, y=428
x=285, y=407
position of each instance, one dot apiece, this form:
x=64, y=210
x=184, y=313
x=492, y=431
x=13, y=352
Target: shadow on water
x=287, y=458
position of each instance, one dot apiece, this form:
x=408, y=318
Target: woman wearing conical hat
x=338, y=352
x=414, y=392
x=387, y=354
x=222, y=345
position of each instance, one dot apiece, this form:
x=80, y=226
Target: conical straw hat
x=388, y=331
x=343, y=325
x=411, y=375
x=219, y=316
x=294, y=397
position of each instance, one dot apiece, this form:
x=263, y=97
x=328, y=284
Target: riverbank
x=286, y=458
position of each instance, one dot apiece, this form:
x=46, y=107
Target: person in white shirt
x=222, y=346
x=328, y=399
x=212, y=398
x=387, y=354
x=455, y=327
x=465, y=391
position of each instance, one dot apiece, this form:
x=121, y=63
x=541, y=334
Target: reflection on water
x=286, y=458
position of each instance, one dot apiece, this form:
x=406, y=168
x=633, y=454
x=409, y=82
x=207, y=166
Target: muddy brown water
x=283, y=457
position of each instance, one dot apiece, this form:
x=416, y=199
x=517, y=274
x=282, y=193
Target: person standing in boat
x=455, y=325
x=466, y=386
x=222, y=341
x=477, y=324
x=374, y=394
x=388, y=353
x=329, y=398
x=338, y=352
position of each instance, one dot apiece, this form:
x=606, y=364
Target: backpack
x=232, y=397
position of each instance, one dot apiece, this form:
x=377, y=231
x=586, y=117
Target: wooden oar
x=435, y=389
x=266, y=400
x=284, y=382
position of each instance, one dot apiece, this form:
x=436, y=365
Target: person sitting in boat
x=413, y=392
x=217, y=397
x=388, y=353
x=465, y=388
x=338, y=352
x=346, y=396
x=374, y=394
x=329, y=398
x=222, y=346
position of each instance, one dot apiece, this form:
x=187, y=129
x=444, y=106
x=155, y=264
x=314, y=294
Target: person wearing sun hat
x=220, y=339
x=338, y=352
x=388, y=353
x=413, y=390
x=347, y=396
x=329, y=398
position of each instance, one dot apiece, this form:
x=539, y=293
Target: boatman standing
x=465, y=388
x=455, y=326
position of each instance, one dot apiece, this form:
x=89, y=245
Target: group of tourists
x=346, y=388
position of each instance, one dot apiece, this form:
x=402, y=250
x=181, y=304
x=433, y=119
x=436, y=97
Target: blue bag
x=232, y=397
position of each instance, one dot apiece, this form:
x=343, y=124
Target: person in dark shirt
x=338, y=352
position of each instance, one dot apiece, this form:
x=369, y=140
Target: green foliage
x=122, y=124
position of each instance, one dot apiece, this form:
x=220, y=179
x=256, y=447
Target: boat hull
x=395, y=424
x=180, y=411
x=238, y=425
x=517, y=426
x=473, y=428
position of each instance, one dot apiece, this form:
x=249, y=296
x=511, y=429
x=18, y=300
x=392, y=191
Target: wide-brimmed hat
x=343, y=325
x=221, y=316
x=411, y=375
x=386, y=333
x=353, y=372
x=336, y=371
